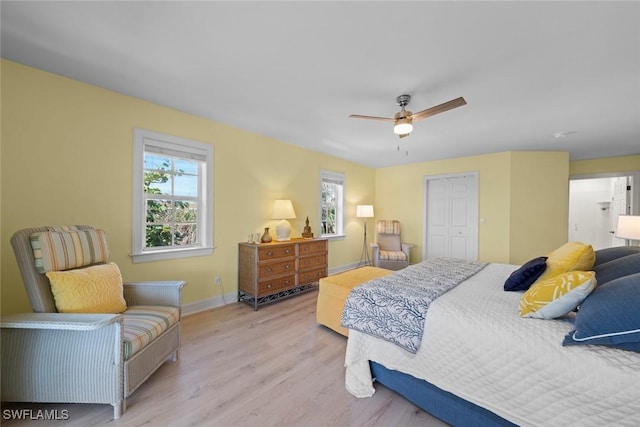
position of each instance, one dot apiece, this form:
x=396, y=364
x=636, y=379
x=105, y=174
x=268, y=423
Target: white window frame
x=178, y=147
x=337, y=177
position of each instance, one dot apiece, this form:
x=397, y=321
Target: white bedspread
x=476, y=346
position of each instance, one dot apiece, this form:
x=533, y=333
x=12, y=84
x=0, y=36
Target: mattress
x=477, y=347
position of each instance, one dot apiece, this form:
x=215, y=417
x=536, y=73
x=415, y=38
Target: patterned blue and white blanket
x=394, y=307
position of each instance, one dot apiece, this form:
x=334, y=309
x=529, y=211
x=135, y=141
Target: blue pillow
x=610, y=316
x=609, y=254
x=617, y=268
x=523, y=278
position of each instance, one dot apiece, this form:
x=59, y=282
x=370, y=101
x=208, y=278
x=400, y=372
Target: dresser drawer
x=311, y=262
x=312, y=275
x=276, y=268
x=312, y=247
x=272, y=252
x=274, y=285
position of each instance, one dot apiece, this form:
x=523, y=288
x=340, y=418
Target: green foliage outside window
x=169, y=222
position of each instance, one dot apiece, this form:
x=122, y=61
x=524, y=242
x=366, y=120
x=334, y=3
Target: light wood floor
x=239, y=367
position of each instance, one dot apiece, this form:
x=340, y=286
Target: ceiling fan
x=403, y=119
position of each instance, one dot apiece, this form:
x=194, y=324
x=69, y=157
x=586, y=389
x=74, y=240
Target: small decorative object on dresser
x=266, y=237
x=272, y=271
x=307, y=234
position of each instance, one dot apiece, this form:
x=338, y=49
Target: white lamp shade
x=283, y=209
x=364, y=211
x=628, y=227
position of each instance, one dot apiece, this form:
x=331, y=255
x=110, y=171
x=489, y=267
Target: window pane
x=157, y=182
x=159, y=211
x=156, y=162
x=186, y=211
x=186, y=166
x=186, y=234
x=158, y=235
x=185, y=185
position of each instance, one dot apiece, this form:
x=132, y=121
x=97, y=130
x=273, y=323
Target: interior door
x=451, y=216
x=620, y=205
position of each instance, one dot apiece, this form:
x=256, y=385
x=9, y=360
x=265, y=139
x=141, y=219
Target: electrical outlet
x=217, y=281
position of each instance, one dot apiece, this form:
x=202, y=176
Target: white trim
x=209, y=303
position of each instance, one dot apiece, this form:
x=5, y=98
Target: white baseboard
x=232, y=297
x=209, y=303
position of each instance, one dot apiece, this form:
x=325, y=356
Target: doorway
x=595, y=201
x=451, y=216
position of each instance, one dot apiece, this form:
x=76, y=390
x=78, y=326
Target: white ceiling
x=294, y=71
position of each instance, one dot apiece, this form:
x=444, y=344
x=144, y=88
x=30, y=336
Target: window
x=331, y=203
x=173, y=197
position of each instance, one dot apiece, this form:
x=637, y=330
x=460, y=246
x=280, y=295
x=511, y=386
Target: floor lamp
x=364, y=212
x=628, y=228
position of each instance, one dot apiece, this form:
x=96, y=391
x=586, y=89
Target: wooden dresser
x=268, y=272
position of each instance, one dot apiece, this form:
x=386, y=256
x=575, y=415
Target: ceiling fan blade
x=402, y=135
x=449, y=105
x=358, y=116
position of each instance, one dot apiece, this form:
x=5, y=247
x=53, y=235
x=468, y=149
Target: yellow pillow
x=572, y=256
x=557, y=296
x=95, y=289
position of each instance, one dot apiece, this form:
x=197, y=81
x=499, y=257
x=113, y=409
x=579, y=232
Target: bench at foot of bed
x=333, y=293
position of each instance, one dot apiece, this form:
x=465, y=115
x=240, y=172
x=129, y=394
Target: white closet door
x=451, y=211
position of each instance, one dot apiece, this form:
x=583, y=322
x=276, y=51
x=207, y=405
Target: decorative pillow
x=557, y=296
x=64, y=250
x=95, y=289
x=523, y=278
x=572, y=256
x=609, y=254
x=617, y=268
x=610, y=316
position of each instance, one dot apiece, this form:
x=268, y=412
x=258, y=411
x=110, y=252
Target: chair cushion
x=67, y=247
x=144, y=323
x=95, y=289
x=392, y=256
x=389, y=242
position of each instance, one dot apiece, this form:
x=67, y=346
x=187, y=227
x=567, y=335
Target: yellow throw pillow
x=557, y=296
x=572, y=256
x=95, y=289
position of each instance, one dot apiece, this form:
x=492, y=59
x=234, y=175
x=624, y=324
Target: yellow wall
x=539, y=203
x=515, y=227
x=66, y=158
x=606, y=165
x=67, y=152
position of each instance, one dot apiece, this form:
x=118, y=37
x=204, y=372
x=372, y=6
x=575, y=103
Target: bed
x=480, y=363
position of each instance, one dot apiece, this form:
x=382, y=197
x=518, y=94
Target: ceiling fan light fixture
x=403, y=126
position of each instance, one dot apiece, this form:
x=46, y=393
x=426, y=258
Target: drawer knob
x=268, y=269
x=286, y=267
x=269, y=286
x=269, y=253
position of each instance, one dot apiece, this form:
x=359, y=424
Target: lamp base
x=283, y=231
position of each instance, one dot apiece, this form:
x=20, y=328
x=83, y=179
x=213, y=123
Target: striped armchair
x=388, y=251
x=75, y=356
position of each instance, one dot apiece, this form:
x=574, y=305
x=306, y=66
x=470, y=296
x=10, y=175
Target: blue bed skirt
x=441, y=404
